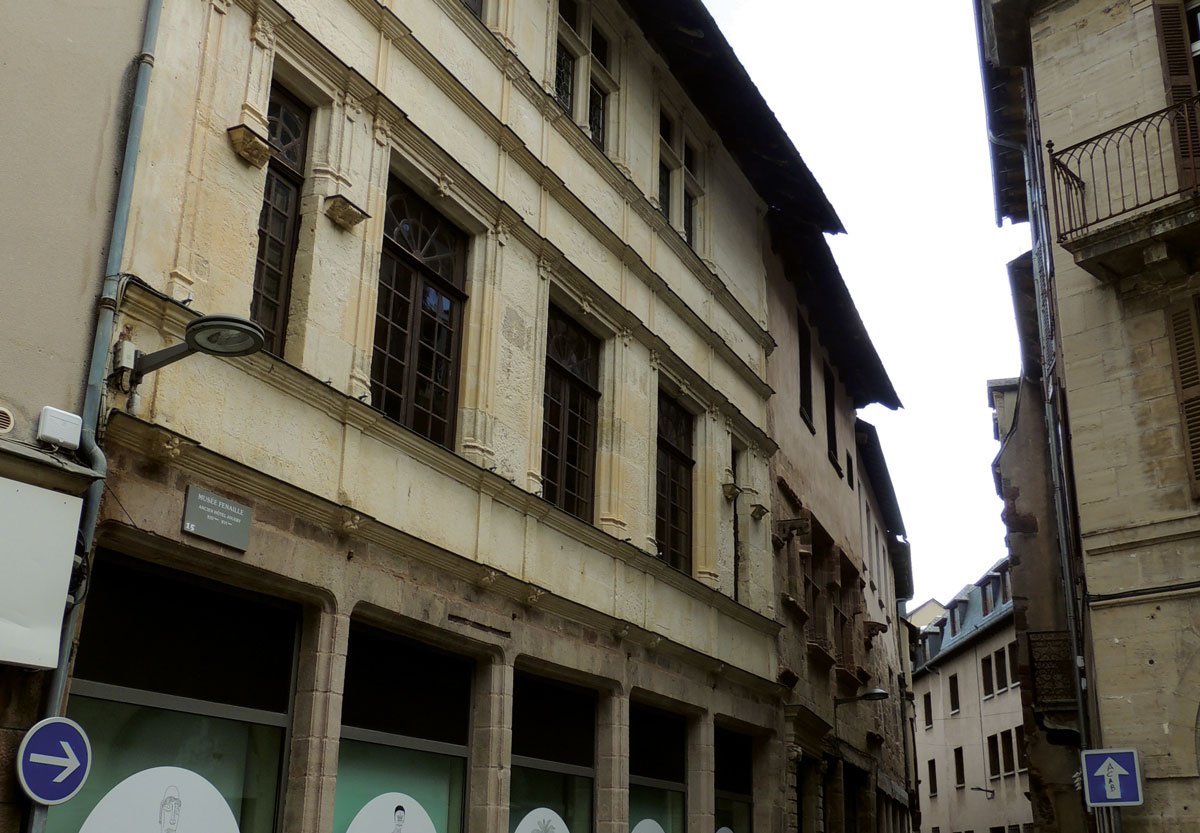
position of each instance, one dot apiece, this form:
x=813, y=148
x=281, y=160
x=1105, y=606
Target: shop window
x=673, y=506
x=186, y=714
x=553, y=749
x=569, y=406
x=406, y=716
x=418, y=316
x=279, y=219
x=657, y=767
x=734, y=780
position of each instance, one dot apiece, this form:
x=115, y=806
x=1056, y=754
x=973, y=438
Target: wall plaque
x=217, y=518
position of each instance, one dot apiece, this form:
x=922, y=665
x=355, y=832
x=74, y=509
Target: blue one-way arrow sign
x=54, y=760
x=1112, y=777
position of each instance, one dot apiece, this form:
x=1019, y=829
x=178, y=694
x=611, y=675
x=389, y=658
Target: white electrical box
x=60, y=428
x=37, y=552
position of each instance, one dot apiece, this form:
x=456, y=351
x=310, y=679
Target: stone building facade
x=1091, y=115
x=970, y=735
x=520, y=490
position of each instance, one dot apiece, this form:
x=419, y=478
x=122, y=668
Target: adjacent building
x=970, y=733
x=1091, y=116
x=544, y=506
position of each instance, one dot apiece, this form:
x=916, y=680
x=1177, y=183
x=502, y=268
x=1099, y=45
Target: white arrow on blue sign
x=1112, y=777
x=54, y=760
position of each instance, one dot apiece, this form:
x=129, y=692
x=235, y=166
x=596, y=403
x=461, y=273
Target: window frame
x=960, y=769
x=422, y=278
x=668, y=451
x=572, y=383
x=831, y=442
x=589, y=72
x=993, y=756
x=955, y=704
x=985, y=673
x=928, y=703
x=680, y=185
x=280, y=171
x=931, y=766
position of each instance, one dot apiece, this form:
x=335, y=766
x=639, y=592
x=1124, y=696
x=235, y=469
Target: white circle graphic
x=647, y=826
x=165, y=799
x=392, y=813
x=542, y=820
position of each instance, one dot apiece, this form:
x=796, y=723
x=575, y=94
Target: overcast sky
x=885, y=104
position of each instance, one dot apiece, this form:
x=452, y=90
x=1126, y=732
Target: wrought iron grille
x=1129, y=167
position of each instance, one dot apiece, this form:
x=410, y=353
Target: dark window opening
x=1001, y=671
x=960, y=768
x=993, y=751
x=985, y=669
x=689, y=218
x=932, y=768
x=734, y=754
x=657, y=744
x=666, y=127
x=928, y=699
x=553, y=721
x=597, y=110
x=568, y=10
x=418, y=317
x=569, y=410
x=599, y=47
x=382, y=692
x=673, y=506
x=804, y=360
x=476, y=7
x=1006, y=749
x=831, y=417
x=953, y=693
x=664, y=189
x=564, y=77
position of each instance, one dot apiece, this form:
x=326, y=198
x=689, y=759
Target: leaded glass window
x=287, y=122
x=569, y=415
x=673, y=505
x=564, y=77
x=597, y=106
x=418, y=317
x=664, y=189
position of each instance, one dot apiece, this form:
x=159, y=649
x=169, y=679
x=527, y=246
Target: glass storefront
x=734, y=780
x=406, y=718
x=187, y=716
x=553, y=749
x=657, y=770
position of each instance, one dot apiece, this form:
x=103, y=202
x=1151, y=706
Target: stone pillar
x=769, y=766
x=834, y=796
x=612, y=763
x=489, y=780
x=317, y=721
x=701, y=772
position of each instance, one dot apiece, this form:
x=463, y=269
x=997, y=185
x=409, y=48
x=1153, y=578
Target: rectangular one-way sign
x=1112, y=777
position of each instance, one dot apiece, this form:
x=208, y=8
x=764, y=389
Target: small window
x=960, y=768
x=689, y=217
x=564, y=77
x=985, y=670
x=986, y=597
x=953, y=694
x=993, y=753
x=600, y=47
x=804, y=363
x=673, y=508
x=583, y=64
x=928, y=710
x=666, y=127
x=932, y=766
x=1001, y=667
x=831, y=418
x=1006, y=750
x=664, y=189
x=569, y=407
x=850, y=471
x=1022, y=753
x=953, y=616
x=568, y=10
x=1012, y=663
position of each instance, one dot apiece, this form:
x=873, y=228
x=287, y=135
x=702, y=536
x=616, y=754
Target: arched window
x=418, y=319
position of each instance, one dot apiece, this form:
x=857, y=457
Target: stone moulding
x=343, y=212
x=249, y=145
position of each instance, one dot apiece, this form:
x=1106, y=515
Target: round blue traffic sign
x=54, y=760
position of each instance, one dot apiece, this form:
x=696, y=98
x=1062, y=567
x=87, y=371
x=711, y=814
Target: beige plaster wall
x=63, y=144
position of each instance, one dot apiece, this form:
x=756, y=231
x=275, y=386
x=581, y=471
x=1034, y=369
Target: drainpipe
x=105, y=316
x=902, y=657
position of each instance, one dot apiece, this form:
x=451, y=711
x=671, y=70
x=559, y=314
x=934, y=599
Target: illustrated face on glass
x=399, y=818
x=168, y=810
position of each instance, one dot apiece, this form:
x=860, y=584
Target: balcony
x=1128, y=200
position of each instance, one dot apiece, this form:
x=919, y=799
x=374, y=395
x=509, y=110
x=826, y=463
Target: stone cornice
x=149, y=307
x=145, y=439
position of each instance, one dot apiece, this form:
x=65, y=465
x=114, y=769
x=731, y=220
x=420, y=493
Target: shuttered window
x=1175, y=39
x=1185, y=350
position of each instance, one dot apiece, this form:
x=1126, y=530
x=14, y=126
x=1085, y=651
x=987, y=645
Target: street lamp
x=872, y=694
x=227, y=336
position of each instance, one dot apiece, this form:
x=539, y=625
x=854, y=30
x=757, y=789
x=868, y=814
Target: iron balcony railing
x=1129, y=167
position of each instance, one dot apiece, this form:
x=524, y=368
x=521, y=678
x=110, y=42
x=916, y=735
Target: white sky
x=885, y=104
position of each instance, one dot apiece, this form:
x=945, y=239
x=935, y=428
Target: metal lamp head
x=874, y=694
x=224, y=335
x=227, y=336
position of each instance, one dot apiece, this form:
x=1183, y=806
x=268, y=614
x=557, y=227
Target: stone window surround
x=686, y=182
x=589, y=70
